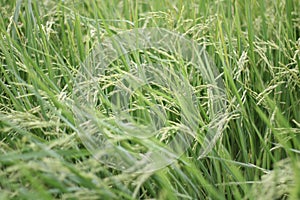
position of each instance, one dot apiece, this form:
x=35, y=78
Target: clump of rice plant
x=255, y=47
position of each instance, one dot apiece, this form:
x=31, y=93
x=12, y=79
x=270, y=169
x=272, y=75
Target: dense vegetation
x=255, y=45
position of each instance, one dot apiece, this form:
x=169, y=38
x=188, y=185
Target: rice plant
x=202, y=103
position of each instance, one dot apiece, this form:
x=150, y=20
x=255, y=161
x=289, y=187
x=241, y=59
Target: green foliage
x=255, y=45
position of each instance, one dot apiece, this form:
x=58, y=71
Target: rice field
x=155, y=99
